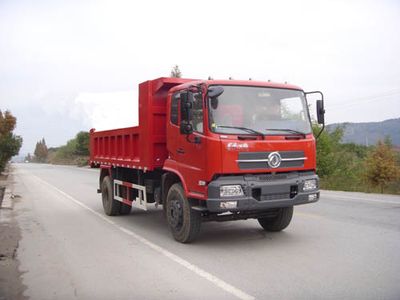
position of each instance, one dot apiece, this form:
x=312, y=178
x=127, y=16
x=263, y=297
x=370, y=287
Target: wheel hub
x=176, y=213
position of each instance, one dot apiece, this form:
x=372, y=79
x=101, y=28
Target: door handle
x=180, y=151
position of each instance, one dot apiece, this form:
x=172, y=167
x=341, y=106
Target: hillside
x=369, y=133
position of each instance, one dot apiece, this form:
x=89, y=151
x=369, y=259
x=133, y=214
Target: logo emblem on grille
x=274, y=160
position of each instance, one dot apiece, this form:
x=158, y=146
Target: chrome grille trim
x=262, y=160
x=266, y=159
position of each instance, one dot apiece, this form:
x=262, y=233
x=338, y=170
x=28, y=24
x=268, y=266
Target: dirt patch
x=11, y=286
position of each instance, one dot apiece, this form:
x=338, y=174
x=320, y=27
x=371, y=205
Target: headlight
x=310, y=184
x=230, y=190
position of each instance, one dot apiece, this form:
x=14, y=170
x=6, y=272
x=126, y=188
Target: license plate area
x=276, y=192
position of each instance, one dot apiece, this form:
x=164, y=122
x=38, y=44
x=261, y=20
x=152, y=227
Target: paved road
x=347, y=246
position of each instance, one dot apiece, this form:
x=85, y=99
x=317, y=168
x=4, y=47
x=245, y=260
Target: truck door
x=189, y=150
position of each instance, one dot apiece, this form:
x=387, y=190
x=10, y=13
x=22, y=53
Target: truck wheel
x=279, y=222
x=183, y=222
x=111, y=206
x=125, y=209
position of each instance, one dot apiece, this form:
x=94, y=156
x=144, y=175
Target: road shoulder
x=11, y=286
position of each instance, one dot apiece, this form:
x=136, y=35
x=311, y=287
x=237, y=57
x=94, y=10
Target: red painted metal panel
x=143, y=146
x=127, y=184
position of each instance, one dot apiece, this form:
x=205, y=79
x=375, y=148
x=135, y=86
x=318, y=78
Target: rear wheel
x=183, y=222
x=111, y=207
x=278, y=222
x=125, y=209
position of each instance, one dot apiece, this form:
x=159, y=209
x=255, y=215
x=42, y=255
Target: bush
x=9, y=142
x=351, y=167
x=75, y=152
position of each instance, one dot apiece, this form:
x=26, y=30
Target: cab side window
x=174, y=108
x=196, y=116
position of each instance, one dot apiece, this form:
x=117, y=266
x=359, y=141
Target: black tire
x=279, y=222
x=111, y=207
x=125, y=209
x=183, y=222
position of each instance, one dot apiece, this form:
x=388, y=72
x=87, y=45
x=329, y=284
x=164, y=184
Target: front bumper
x=263, y=191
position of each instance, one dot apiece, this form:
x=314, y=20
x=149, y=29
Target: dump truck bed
x=140, y=147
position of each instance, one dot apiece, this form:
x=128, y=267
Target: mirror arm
x=322, y=129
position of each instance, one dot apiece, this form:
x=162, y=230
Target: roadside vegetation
x=9, y=142
x=352, y=167
x=74, y=152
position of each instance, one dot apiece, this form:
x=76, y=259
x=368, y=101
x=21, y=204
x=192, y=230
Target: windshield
x=260, y=109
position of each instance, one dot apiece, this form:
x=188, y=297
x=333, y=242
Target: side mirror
x=184, y=97
x=214, y=103
x=186, y=127
x=215, y=91
x=186, y=106
x=320, y=112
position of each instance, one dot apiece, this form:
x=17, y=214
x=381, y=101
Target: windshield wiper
x=244, y=129
x=287, y=130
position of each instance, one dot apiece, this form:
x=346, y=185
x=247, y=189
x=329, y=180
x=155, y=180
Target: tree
x=41, y=151
x=340, y=166
x=82, y=143
x=381, y=165
x=28, y=158
x=175, y=72
x=328, y=145
x=9, y=142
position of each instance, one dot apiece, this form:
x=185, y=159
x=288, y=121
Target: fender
x=188, y=194
x=177, y=173
x=104, y=171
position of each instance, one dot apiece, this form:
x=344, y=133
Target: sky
x=67, y=66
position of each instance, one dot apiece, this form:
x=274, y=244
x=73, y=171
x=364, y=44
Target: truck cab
x=242, y=145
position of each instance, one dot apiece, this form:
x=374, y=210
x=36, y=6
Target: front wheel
x=278, y=222
x=183, y=222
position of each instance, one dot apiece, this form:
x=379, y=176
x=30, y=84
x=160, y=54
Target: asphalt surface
x=346, y=246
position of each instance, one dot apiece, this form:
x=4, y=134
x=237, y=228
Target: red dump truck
x=211, y=150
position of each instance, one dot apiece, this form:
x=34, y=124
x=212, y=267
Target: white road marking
x=335, y=197
x=195, y=269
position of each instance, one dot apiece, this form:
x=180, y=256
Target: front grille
x=251, y=160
